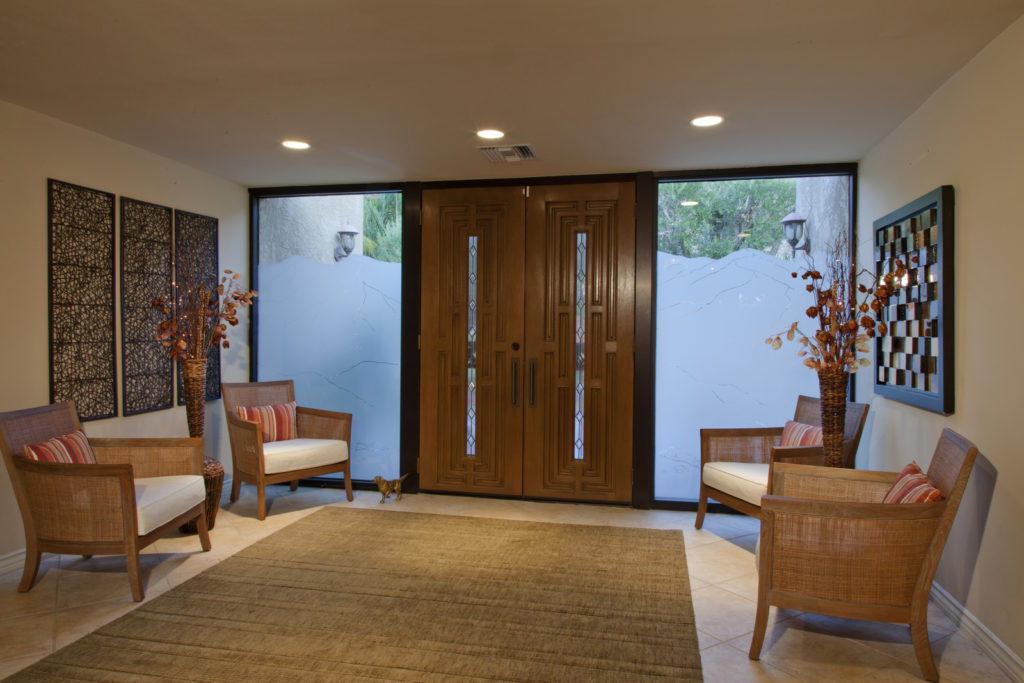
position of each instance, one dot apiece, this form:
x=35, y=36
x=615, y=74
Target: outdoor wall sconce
x=794, y=230
x=347, y=237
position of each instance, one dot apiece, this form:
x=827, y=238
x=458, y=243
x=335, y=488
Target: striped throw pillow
x=70, y=448
x=912, y=486
x=277, y=422
x=799, y=434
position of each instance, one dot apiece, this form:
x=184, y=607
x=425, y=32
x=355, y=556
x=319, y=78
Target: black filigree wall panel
x=195, y=242
x=81, y=271
x=146, y=369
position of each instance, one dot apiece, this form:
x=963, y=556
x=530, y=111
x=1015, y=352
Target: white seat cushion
x=158, y=500
x=301, y=454
x=745, y=480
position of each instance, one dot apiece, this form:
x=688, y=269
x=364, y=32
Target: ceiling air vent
x=507, y=154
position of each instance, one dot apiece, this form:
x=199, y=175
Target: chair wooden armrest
x=829, y=483
x=73, y=503
x=313, y=423
x=801, y=455
x=748, y=444
x=152, y=457
x=246, y=444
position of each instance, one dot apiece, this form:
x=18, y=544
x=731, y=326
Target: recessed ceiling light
x=705, y=121
x=295, y=144
x=690, y=202
x=490, y=134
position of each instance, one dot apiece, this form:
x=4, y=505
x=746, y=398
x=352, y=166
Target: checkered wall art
x=914, y=359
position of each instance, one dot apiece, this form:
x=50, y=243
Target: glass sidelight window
x=329, y=275
x=723, y=285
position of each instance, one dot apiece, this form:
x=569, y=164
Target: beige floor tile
x=24, y=636
x=41, y=597
x=794, y=647
x=722, y=614
x=744, y=586
x=705, y=640
x=724, y=664
x=962, y=661
x=82, y=581
x=721, y=561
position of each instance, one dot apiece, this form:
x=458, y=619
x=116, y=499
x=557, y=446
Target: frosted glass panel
x=330, y=313
x=723, y=286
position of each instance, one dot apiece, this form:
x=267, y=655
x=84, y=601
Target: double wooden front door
x=527, y=341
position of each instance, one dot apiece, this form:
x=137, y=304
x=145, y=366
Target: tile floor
x=74, y=596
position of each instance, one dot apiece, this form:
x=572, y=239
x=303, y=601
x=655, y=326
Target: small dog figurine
x=389, y=486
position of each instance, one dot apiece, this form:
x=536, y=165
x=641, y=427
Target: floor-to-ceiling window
x=726, y=251
x=329, y=275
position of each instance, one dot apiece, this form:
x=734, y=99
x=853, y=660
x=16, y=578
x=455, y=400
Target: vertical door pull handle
x=533, y=382
x=515, y=381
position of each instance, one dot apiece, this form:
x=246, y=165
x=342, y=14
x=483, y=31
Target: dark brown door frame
x=645, y=315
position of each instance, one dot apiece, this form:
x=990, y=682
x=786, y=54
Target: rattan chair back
x=257, y=393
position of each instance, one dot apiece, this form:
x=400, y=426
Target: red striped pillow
x=912, y=486
x=277, y=422
x=799, y=434
x=70, y=448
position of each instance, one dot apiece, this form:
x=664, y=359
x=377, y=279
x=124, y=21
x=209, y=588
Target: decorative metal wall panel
x=81, y=273
x=195, y=238
x=146, y=264
x=914, y=359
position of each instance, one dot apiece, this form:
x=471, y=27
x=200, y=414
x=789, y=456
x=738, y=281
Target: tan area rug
x=349, y=594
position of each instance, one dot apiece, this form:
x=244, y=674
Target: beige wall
x=968, y=134
x=35, y=148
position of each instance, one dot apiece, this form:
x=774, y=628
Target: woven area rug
x=348, y=594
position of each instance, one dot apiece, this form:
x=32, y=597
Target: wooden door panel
x=454, y=222
x=569, y=282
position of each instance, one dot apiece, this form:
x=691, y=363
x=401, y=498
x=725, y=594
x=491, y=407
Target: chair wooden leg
x=261, y=501
x=348, y=479
x=204, y=530
x=295, y=485
x=702, y=507
x=135, y=575
x=923, y=649
x=236, y=488
x=760, y=624
x=28, y=577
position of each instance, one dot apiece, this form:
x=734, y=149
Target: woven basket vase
x=193, y=373
x=832, y=385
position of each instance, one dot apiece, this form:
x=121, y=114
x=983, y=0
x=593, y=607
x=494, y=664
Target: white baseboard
x=12, y=561
x=1002, y=655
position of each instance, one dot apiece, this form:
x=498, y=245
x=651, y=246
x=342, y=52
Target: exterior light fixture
x=490, y=134
x=706, y=121
x=347, y=237
x=689, y=202
x=794, y=230
x=295, y=144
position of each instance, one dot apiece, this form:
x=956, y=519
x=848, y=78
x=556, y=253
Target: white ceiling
x=389, y=90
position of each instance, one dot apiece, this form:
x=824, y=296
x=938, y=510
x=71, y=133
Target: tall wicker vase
x=832, y=384
x=193, y=372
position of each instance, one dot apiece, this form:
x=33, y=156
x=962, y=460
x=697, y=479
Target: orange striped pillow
x=912, y=486
x=277, y=422
x=70, y=448
x=799, y=434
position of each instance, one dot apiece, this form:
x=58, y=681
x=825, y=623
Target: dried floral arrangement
x=848, y=313
x=199, y=313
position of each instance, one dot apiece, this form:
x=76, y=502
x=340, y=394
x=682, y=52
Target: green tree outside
x=716, y=217
x=382, y=226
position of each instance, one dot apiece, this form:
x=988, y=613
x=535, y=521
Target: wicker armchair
x=830, y=546
x=249, y=461
x=735, y=464
x=113, y=507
